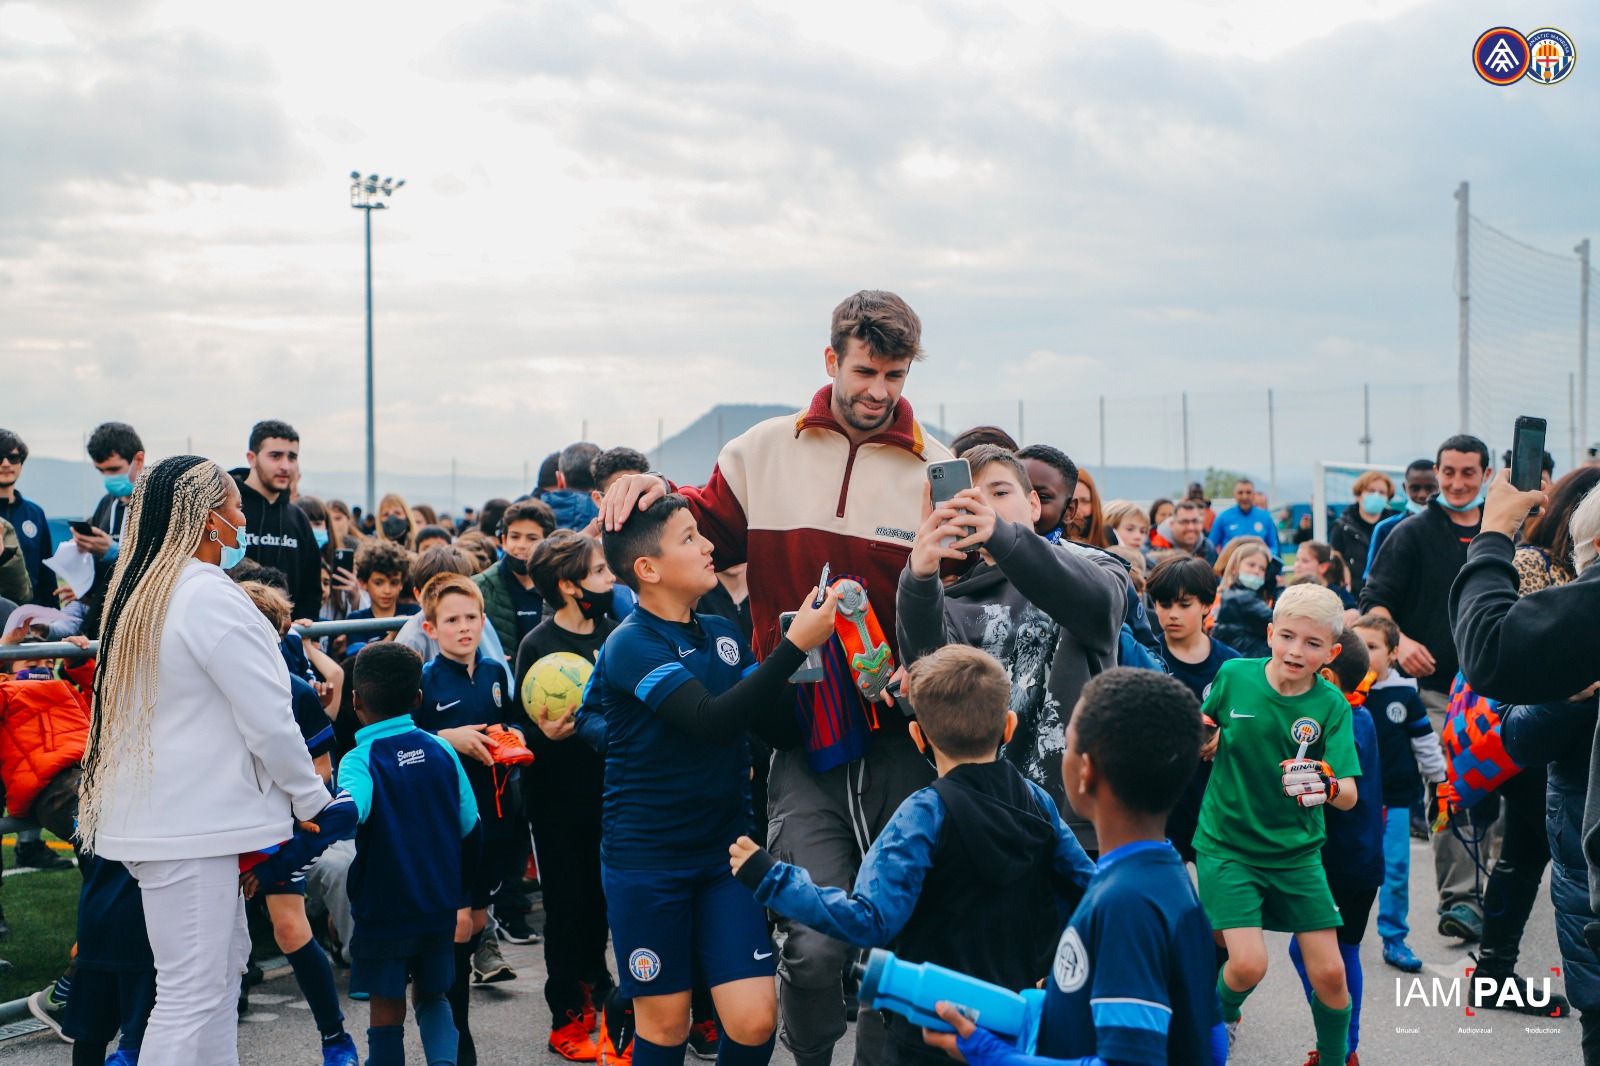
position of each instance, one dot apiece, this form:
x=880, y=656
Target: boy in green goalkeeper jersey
x=1283, y=747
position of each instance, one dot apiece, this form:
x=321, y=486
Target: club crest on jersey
x=1072, y=962
x=1395, y=712
x=645, y=965
x=1305, y=731
x=728, y=650
x=495, y=692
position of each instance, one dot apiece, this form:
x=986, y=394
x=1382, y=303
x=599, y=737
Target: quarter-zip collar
x=902, y=432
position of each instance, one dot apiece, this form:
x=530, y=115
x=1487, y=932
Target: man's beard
x=863, y=424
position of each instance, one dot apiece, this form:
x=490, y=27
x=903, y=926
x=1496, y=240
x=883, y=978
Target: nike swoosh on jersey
x=685, y=653
x=760, y=955
x=1235, y=714
x=446, y=706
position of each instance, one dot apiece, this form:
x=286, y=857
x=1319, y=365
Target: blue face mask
x=119, y=485
x=231, y=557
x=1252, y=581
x=1373, y=503
x=1472, y=504
x=1413, y=507
x=320, y=536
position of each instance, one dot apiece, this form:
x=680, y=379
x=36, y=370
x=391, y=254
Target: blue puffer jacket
x=1560, y=733
x=573, y=509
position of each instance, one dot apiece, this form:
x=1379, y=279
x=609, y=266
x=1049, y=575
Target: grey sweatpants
x=1453, y=868
x=327, y=889
x=825, y=823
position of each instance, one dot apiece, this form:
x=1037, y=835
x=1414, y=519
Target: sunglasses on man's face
x=14, y=458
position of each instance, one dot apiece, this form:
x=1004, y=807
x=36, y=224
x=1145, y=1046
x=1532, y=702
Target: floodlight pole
x=372, y=467
x=364, y=197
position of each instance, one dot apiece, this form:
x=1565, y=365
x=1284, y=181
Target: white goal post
x=1331, y=481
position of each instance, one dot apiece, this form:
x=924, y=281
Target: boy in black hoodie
x=276, y=532
x=969, y=871
x=1051, y=614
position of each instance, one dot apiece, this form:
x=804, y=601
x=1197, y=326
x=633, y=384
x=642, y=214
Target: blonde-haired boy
x=1283, y=747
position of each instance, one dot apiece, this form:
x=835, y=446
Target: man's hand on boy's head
x=1506, y=507
x=629, y=492
x=739, y=853
x=949, y=1042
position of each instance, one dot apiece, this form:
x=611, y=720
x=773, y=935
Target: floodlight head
x=399, y=183
x=372, y=177
x=355, y=175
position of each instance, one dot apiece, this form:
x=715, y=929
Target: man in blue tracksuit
x=1244, y=519
x=413, y=800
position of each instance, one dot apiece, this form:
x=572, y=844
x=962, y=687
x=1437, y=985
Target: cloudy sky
x=619, y=213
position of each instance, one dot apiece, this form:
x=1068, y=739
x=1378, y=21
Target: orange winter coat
x=44, y=728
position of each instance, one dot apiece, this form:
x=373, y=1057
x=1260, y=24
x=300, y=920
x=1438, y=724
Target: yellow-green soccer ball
x=554, y=686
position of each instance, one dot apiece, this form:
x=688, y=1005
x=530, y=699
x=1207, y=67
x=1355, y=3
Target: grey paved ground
x=511, y=1022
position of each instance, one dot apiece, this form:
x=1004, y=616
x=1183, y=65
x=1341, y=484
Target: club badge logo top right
x=1504, y=56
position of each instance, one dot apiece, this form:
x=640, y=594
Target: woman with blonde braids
x=193, y=755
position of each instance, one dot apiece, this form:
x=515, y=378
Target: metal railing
x=61, y=649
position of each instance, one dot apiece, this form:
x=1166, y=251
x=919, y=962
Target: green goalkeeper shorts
x=1236, y=895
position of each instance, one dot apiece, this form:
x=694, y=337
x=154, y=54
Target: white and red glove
x=1309, y=781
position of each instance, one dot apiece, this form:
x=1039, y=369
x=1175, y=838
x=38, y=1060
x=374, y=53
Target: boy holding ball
x=563, y=793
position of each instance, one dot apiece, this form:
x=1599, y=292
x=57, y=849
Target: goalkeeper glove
x=1310, y=782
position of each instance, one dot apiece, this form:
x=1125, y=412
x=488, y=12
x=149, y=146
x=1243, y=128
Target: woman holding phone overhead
x=193, y=755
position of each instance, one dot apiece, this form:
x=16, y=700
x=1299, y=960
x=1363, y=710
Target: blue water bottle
x=914, y=988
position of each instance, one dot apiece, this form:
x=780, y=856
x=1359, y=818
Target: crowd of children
x=1269, y=736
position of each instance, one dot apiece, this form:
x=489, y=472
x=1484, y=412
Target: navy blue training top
x=671, y=800
x=1398, y=713
x=415, y=808
x=1352, y=854
x=315, y=725
x=111, y=932
x=1135, y=974
x=1197, y=676
x=451, y=698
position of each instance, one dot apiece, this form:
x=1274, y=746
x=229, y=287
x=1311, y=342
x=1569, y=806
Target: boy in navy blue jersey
x=1183, y=589
x=413, y=799
x=1406, y=744
x=970, y=871
x=1134, y=976
x=466, y=702
x=678, y=691
x=1352, y=855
